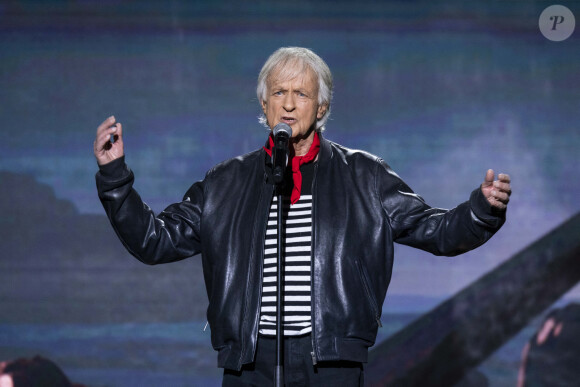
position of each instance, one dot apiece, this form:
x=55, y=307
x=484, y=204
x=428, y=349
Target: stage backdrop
x=441, y=90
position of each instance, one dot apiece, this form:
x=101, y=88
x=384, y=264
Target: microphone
x=282, y=133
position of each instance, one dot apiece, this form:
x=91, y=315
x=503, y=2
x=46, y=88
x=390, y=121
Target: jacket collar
x=324, y=156
x=325, y=152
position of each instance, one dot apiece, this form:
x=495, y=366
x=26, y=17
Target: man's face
x=293, y=101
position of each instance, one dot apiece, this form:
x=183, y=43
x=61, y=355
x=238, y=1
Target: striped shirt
x=296, y=239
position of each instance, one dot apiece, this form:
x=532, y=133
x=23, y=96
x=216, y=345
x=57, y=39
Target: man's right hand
x=105, y=150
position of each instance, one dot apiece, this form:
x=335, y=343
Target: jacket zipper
x=312, y=237
x=261, y=284
x=370, y=297
x=260, y=287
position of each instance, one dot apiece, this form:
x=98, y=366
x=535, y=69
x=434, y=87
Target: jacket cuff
x=115, y=170
x=484, y=212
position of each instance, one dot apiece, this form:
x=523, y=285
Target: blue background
x=441, y=90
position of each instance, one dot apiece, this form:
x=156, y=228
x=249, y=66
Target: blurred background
x=441, y=90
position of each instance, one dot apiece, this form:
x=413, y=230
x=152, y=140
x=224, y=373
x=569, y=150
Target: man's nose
x=289, y=104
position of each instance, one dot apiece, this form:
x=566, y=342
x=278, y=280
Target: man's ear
x=321, y=111
x=264, y=106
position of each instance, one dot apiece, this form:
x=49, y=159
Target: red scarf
x=296, y=162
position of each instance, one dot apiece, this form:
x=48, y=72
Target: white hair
x=292, y=61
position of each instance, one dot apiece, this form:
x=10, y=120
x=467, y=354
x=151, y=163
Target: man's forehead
x=299, y=73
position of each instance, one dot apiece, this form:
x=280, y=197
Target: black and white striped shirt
x=297, y=224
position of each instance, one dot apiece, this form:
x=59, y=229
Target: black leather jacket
x=360, y=207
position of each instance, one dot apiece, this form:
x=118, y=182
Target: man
x=36, y=371
x=550, y=357
x=345, y=210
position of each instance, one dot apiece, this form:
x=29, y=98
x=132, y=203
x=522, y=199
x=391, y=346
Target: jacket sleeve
x=171, y=236
x=439, y=231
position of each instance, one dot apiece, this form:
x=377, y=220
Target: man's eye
x=278, y=93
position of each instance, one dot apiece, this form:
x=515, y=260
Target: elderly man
x=345, y=209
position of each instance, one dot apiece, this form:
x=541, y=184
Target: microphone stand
x=280, y=160
x=279, y=382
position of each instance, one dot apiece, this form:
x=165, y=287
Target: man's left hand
x=497, y=192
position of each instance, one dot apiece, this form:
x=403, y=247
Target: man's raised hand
x=497, y=192
x=106, y=150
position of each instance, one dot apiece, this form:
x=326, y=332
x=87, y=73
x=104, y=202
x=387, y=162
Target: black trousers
x=298, y=367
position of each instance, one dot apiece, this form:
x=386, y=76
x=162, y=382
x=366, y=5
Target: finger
x=488, y=178
x=503, y=197
x=504, y=177
x=498, y=203
x=106, y=124
x=104, y=136
x=108, y=139
x=505, y=187
x=116, y=135
x=105, y=130
x=119, y=132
